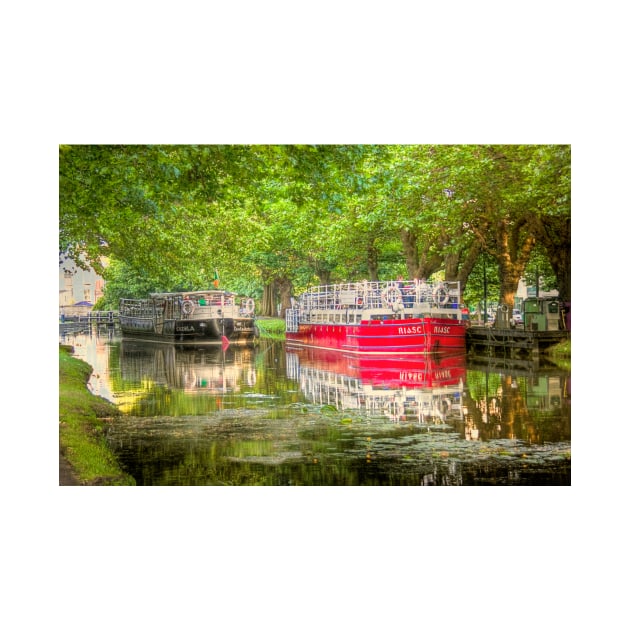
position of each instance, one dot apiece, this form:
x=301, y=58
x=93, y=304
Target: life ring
x=391, y=295
x=249, y=306
x=504, y=308
x=188, y=308
x=440, y=295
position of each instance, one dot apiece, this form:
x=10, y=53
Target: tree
x=158, y=208
x=275, y=219
x=497, y=210
x=551, y=193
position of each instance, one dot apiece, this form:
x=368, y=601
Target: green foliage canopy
x=280, y=217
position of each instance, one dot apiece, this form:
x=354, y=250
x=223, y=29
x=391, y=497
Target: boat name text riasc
x=414, y=330
x=409, y=330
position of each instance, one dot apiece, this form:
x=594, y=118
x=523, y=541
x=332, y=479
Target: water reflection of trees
x=500, y=400
x=506, y=401
x=267, y=434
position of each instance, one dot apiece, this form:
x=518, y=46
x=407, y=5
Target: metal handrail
x=381, y=294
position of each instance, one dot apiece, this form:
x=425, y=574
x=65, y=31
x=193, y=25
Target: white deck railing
x=381, y=295
x=347, y=302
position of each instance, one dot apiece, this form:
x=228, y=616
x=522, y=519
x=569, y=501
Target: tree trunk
x=276, y=291
x=372, y=262
x=285, y=288
x=410, y=252
x=268, y=308
x=561, y=265
x=513, y=252
x=324, y=276
x=468, y=264
x=451, y=267
x=429, y=263
x=555, y=236
x=420, y=264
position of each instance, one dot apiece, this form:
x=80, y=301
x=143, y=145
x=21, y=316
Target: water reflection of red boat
x=419, y=371
x=423, y=388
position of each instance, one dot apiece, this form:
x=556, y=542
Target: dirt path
x=66, y=474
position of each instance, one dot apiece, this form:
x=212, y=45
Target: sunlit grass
x=82, y=422
x=271, y=327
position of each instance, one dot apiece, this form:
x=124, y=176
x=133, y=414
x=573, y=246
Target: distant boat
x=395, y=317
x=189, y=318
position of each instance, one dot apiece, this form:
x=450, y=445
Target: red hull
x=425, y=335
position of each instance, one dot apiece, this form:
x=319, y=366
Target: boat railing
x=208, y=307
x=135, y=308
x=227, y=308
x=379, y=294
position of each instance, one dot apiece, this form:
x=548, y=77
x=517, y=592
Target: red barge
x=394, y=318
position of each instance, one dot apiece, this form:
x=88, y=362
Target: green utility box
x=541, y=314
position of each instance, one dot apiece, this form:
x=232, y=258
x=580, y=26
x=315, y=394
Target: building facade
x=79, y=289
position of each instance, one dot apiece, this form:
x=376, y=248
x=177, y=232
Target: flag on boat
x=216, y=279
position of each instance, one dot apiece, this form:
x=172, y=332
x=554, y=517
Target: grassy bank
x=83, y=419
x=271, y=327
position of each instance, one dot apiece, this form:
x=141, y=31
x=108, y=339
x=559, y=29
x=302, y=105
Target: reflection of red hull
x=394, y=336
x=385, y=371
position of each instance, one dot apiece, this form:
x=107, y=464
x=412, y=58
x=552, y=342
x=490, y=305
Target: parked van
x=517, y=317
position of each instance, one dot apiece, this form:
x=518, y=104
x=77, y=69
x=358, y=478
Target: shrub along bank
x=83, y=419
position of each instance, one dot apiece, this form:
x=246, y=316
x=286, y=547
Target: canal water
x=269, y=415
